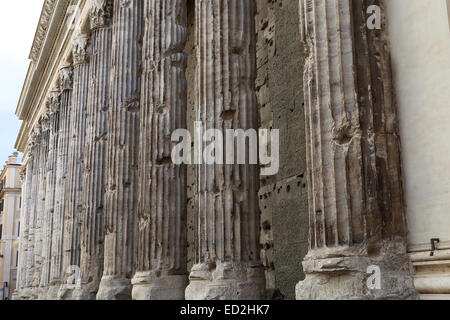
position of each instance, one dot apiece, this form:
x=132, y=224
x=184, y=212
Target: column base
x=114, y=288
x=52, y=292
x=356, y=278
x=34, y=293
x=226, y=281
x=43, y=293
x=87, y=291
x=152, y=286
x=65, y=293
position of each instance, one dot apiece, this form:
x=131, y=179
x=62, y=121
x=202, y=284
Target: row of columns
x=104, y=214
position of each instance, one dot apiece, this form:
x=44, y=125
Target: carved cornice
x=66, y=78
x=80, y=49
x=42, y=29
x=101, y=14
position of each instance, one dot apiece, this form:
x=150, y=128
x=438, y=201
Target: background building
x=10, y=201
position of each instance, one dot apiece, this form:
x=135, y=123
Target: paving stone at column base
x=353, y=277
x=114, y=288
x=227, y=281
x=154, y=286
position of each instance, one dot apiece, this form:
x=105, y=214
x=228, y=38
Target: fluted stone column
x=161, y=254
x=77, y=133
x=356, y=205
x=228, y=264
x=40, y=201
x=25, y=222
x=122, y=153
x=92, y=224
x=56, y=272
x=30, y=260
x=23, y=179
x=47, y=229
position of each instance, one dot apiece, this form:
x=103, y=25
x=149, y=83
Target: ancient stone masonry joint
x=161, y=226
x=227, y=263
x=356, y=207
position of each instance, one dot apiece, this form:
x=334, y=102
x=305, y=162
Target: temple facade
x=357, y=90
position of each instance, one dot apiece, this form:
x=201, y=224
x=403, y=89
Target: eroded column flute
x=356, y=205
x=123, y=149
x=94, y=181
x=77, y=133
x=161, y=263
x=47, y=230
x=56, y=272
x=30, y=261
x=25, y=223
x=23, y=182
x=40, y=201
x=228, y=263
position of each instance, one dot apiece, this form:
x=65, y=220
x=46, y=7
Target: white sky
x=18, y=21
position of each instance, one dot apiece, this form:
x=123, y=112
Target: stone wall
x=283, y=198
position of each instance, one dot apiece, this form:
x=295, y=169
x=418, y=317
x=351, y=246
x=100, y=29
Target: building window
x=1, y=230
x=18, y=228
x=17, y=257
x=2, y=203
x=20, y=202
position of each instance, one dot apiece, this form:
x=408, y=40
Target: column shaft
x=357, y=216
x=30, y=260
x=161, y=259
x=93, y=224
x=77, y=132
x=47, y=229
x=25, y=222
x=40, y=201
x=66, y=85
x=123, y=148
x=228, y=264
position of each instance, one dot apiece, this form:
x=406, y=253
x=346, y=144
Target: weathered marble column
x=77, y=133
x=44, y=122
x=161, y=253
x=47, y=229
x=228, y=263
x=23, y=182
x=92, y=224
x=30, y=260
x=25, y=222
x=356, y=205
x=123, y=149
x=56, y=272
